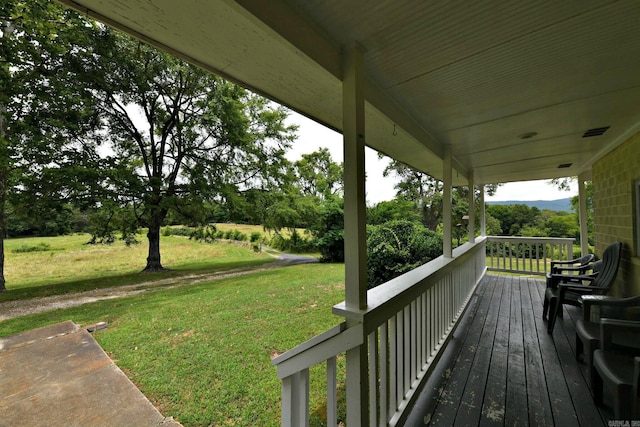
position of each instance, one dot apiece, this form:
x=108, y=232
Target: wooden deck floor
x=504, y=369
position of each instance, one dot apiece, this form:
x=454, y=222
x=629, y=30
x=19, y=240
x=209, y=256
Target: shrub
x=328, y=231
x=295, y=244
x=178, y=231
x=40, y=247
x=256, y=236
x=206, y=234
x=398, y=246
x=239, y=236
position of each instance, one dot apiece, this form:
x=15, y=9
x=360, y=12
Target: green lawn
x=202, y=353
x=71, y=265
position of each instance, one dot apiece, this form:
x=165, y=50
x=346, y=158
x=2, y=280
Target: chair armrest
x=580, y=289
x=568, y=262
x=605, y=300
x=591, y=300
x=584, y=260
x=609, y=326
x=577, y=268
x=559, y=277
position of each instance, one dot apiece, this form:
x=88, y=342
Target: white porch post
x=446, y=204
x=355, y=245
x=582, y=214
x=483, y=218
x=472, y=210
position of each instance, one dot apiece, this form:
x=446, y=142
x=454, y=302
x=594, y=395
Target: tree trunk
x=2, y=233
x=4, y=171
x=153, y=235
x=5, y=75
x=4, y=179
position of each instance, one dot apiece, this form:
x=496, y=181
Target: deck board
x=507, y=370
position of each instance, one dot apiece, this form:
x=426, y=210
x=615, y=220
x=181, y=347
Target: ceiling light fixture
x=564, y=165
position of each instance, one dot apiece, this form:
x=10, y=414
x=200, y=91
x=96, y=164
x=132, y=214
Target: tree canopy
x=44, y=113
x=178, y=136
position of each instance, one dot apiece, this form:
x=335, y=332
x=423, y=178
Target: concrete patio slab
x=59, y=375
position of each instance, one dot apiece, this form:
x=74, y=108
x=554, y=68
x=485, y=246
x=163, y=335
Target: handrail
x=329, y=344
x=403, y=331
x=526, y=255
x=389, y=297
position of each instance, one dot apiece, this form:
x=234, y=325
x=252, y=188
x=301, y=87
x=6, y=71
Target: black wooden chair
x=553, y=280
x=594, y=308
x=563, y=289
x=618, y=367
x=579, y=265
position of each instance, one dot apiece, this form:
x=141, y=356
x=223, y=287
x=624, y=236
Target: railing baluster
x=332, y=392
x=433, y=323
x=295, y=399
x=384, y=375
x=510, y=258
x=400, y=359
x=373, y=378
x=419, y=333
x=414, y=341
x=393, y=365
x=407, y=350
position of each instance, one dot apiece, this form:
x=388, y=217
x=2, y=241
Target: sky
x=313, y=136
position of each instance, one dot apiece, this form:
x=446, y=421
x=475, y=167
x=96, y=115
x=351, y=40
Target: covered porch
x=453, y=343
x=470, y=94
x=503, y=368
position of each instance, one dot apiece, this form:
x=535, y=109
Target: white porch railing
x=406, y=325
x=528, y=255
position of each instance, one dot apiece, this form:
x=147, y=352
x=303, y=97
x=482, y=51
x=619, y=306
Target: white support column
x=483, y=217
x=446, y=204
x=582, y=214
x=472, y=210
x=355, y=244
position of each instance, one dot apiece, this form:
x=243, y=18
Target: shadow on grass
x=128, y=279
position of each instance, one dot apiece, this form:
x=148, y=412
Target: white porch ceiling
x=469, y=77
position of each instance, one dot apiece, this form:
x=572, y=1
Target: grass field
x=71, y=265
x=201, y=353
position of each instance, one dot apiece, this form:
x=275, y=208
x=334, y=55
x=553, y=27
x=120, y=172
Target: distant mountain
x=553, y=205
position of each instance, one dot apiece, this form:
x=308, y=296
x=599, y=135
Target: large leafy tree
x=44, y=114
x=178, y=135
x=421, y=189
x=314, y=180
x=426, y=191
x=318, y=175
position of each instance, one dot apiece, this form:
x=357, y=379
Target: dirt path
x=12, y=309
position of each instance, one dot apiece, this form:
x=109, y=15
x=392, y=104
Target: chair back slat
x=609, y=268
